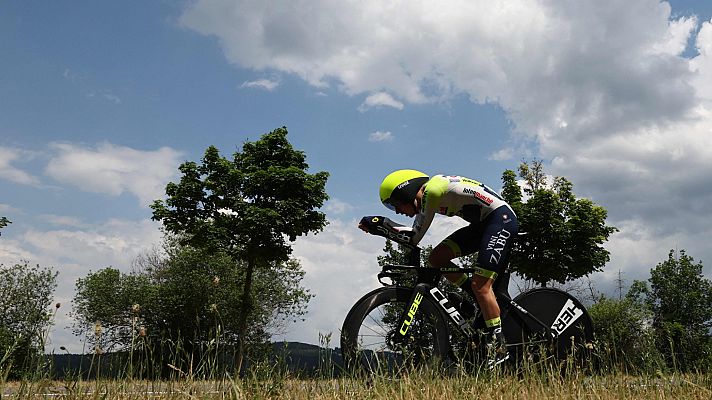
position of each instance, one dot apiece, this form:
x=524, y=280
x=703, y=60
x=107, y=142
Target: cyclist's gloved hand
x=372, y=224
x=382, y=226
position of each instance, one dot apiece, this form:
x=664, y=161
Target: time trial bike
x=411, y=322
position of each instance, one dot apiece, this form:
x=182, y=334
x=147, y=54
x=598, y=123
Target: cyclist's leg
x=456, y=245
x=494, y=245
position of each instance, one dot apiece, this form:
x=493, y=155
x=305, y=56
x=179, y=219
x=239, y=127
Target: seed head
x=136, y=308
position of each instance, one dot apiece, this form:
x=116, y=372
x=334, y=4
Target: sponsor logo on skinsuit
x=479, y=196
x=496, y=245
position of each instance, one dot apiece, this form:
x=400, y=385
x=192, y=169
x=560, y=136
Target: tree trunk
x=245, y=309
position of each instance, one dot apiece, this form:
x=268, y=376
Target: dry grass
x=416, y=386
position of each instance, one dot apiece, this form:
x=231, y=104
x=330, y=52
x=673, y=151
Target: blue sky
x=100, y=101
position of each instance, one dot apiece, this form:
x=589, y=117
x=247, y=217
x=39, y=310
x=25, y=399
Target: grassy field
x=421, y=385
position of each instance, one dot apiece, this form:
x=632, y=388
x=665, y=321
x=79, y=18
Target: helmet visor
x=389, y=205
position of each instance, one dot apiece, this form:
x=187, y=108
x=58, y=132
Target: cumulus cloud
x=381, y=99
x=8, y=157
x=113, y=170
x=337, y=207
x=506, y=153
x=265, y=84
x=380, y=136
x=545, y=62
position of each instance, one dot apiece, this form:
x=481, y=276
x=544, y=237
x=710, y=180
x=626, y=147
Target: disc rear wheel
x=567, y=318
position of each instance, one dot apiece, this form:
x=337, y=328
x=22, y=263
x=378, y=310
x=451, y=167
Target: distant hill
x=297, y=358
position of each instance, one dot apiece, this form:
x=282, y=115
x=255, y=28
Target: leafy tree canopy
x=678, y=293
x=4, y=222
x=182, y=294
x=564, y=235
x=25, y=298
x=249, y=205
x=680, y=299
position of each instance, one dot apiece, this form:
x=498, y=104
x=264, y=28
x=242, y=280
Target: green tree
x=624, y=338
x=4, y=222
x=680, y=298
x=248, y=207
x=183, y=301
x=564, y=234
x=25, y=298
x=108, y=304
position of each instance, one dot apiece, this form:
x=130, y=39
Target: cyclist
x=493, y=226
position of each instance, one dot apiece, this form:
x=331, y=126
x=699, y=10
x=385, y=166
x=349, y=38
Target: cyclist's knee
x=440, y=256
x=481, y=286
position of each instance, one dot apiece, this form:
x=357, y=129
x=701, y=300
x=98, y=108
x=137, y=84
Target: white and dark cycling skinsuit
x=493, y=224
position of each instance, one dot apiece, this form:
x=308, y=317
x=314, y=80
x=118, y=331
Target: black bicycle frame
x=426, y=286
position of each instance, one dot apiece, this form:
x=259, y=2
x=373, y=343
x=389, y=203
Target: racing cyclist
x=492, y=229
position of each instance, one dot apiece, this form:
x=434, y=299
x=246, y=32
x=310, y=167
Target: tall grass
x=422, y=384
x=170, y=370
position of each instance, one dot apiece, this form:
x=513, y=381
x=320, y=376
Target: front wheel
x=370, y=336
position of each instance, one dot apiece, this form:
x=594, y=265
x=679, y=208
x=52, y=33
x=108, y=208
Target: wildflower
x=213, y=307
x=97, y=328
x=57, y=305
x=216, y=280
x=142, y=331
x=136, y=308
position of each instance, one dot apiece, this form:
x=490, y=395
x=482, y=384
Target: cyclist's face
x=406, y=209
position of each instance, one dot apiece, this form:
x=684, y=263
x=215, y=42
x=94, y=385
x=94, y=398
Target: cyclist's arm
x=435, y=189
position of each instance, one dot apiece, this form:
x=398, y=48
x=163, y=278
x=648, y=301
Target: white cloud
x=381, y=99
x=525, y=55
x=702, y=64
x=108, y=96
x=62, y=220
x=113, y=170
x=675, y=41
x=506, y=153
x=6, y=208
x=380, y=136
x=338, y=207
x=265, y=84
x=9, y=156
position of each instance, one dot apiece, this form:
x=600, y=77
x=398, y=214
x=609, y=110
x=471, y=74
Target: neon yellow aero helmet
x=401, y=187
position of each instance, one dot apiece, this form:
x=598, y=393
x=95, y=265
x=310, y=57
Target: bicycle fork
x=419, y=293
